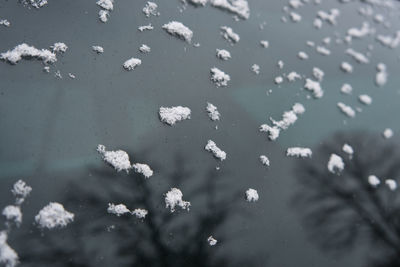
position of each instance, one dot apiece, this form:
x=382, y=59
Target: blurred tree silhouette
x=343, y=211
x=97, y=238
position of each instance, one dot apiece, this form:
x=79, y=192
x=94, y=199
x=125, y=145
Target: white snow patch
x=118, y=210
x=103, y=15
x=292, y=76
x=365, y=99
x=174, y=114
x=381, y=75
x=144, y=48
x=219, y=77
x=346, y=67
x=264, y=43
x=8, y=256
x=97, y=49
x=140, y=213
x=132, y=63
x=59, y=47
x=143, y=169
x=318, y=74
x=106, y=4
x=198, y=2
x=314, y=87
x=21, y=190
x=223, y=54
x=178, y=29
x=173, y=199
x=373, y=180
x=265, y=160
x=329, y=17
x=388, y=133
x=278, y=80
x=389, y=41
x=252, y=195
x=53, y=215
x=302, y=55
x=213, y=112
x=323, y=50
x=215, y=150
x=212, y=241
x=118, y=159
x=148, y=27
x=357, y=56
x=238, y=7
x=362, y=32
x=300, y=152
x=295, y=17
x=346, y=89
x=26, y=51
x=255, y=68
x=151, y=9
x=392, y=184
x=5, y=22
x=349, y=111
x=335, y=164
x=13, y=213
x=229, y=34
x=348, y=149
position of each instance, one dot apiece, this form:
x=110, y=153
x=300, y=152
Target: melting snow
x=174, y=114
x=59, y=47
x=365, y=99
x=348, y=149
x=98, y=49
x=255, y=68
x=5, y=22
x=314, y=87
x=118, y=210
x=346, y=67
x=148, y=27
x=293, y=76
x=346, y=89
x=392, y=184
x=140, y=213
x=13, y=213
x=143, y=169
x=8, y=256
x=264, y=160
x=318, y=74
x=215, y=150
x=323, y=50
x=264, y=43
x=21, y=191
x=178, y=29
x=373, y=180
x=359, y=57
x=151, y=9
x=229, y=34
x=295, y=17
x=144, y=48
x=53, y=215
x=173, y=199
x=212, y=241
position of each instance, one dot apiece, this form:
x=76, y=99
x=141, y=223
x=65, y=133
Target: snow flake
x=392, y=184
x=118, y=210
x=212, y=241
x=365, y=99
x=219, y=77
x=301, y=152
x=252, y=195
x=151, y=9
x=132, y=63
x=213, y=112
x=140, y=213
x=223, y=54
x=349, y=111
x=346, y=67
x=215, y=150
x=118, y=159
x=373, y=180
x=26, y=51
x=53, y=215
x=238, y=7
x=335, y=164
x=265, y=160
x=13, y=213
x=97, y=49
x=314, y=87
x=229, y=34
x=144, y=169
x=173, y=199
x=387, y=133
x=178, y=29
x=174, y=114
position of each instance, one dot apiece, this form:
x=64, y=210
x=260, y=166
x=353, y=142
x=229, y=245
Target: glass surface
x=305, y=216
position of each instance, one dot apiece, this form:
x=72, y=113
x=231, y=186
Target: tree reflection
x=343, y=211
x=97, y=238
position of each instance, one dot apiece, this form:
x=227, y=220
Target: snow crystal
x=118, y=159
x=229, y=34
x=264, y=43
x=219, y=77
x=387, y=133
x=314, y=87
x=140, y=213
x=178, y=29
x=212, y=241
x=302, y=55
x=264, y=160
x=251, y=195
x=118, y=210
x=359, y=57
x=346, y=89
x=5, y=22
x=349, y=111
x=365, y=99
x=53, y=215
x=8, y=256
x=323, y=50
x=255, y=68
x=346, y=67
x=151, y=9
x=216, y=151
x=295, y=17
x=148, y=27
x=317, y=23
x=373, y=180
x=278, y=80
x=59, y=47
x=174, y=114
x=72, y=76
x=21, y=191
x=144, y=48
x=295, y=4
x=348, y=149
x=13, y=213
x=280, y=64
x=132, y=63
x=335, y=163
x=213, y=112
x=381, y=75
x=143, y=169
x=173, y=198
x=223, y=54
x=301, y=152
x=98, y=49
x=318, y=74
x=392, y=184
x=26, y=51
x=293, y=76
x=238, y=7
